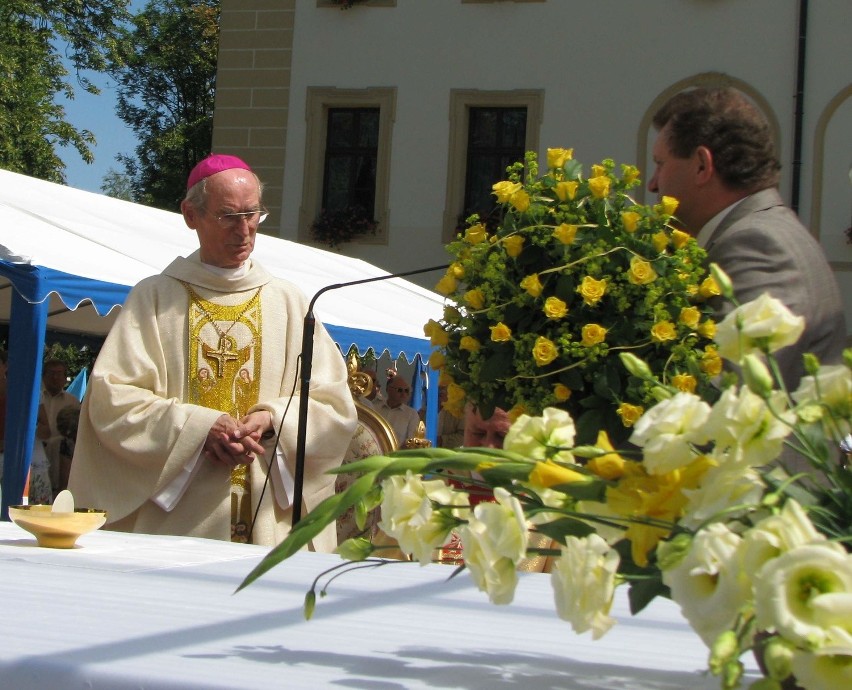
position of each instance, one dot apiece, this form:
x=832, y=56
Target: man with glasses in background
x=402, y=417
x=163, y=445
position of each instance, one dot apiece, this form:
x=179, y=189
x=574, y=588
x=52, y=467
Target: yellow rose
x=629, y=413
x=708, y=329
x=684, y=383
x=475, y=234
x=561, y=392
x=513, y=245
x=501, y=333
x=599, y=186
x=629, y=174
x=591, y=290
x=631, y=220
x=516, y=411
x=641, y=272
x=548, y=473
x=566, y=191
x=455, y=393
x=474, y=298
x=544, y=351
x=520, y=200
x=663, y=331
x=680, y=238
x=565, y=233
x=456, y=270
x=532, y=285
x=437, y=360
x=504, y=190
x=555, y=308
x=593, y=334
x=469, y=343
x=609, y=466
x=711, y=362
x=556, y=158
x=598, y=170
x=709, y=288
x=447, y=285
x=437, y=335
x=689, y=317
x=667, y=206
x=660, y=240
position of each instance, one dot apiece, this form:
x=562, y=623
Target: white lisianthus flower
x=806, y=596
x=822, y=671
x=721, y=488
x=707, y=584
x=583, y=579
x=744, y=420
x=832, y=386
x=667, y=430
x=784, y=531
x=762, y=325
x=493, y=542
x=409, y=517
x=531, y=436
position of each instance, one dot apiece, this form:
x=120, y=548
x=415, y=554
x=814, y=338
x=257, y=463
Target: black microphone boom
x=305, y=389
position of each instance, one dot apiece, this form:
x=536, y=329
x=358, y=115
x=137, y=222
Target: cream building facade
x=588, y=74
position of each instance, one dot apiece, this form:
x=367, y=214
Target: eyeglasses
x=401, y=390
x=229, y=221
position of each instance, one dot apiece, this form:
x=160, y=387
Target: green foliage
x=165, y=65
x=33, y=73
x=75, y=357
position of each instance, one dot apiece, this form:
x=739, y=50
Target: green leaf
x=565, y=527
x=643, y=592
x=311, y=525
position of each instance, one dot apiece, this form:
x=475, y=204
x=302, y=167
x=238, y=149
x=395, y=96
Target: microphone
x=305, y=373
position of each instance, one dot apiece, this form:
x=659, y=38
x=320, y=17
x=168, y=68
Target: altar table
x=124, y=611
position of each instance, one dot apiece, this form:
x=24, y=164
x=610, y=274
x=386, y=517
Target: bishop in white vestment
x=197, y=376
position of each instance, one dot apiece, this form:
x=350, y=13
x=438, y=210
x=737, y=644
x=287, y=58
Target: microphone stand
x=305, y=373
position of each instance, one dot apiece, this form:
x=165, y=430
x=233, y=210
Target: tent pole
x=23, y=384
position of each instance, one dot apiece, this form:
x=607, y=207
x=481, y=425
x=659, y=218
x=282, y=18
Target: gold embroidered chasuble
x=224, y=368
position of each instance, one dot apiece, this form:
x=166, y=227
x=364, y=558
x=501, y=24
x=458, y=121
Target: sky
x=98, y=115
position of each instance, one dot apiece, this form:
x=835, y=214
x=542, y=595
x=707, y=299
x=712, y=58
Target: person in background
x=374, y=398
x=715, y=154
x=54, y=397
x=403, y=418
x=155, y=458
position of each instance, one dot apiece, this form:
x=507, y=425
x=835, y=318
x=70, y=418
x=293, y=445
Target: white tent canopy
x=68, y=259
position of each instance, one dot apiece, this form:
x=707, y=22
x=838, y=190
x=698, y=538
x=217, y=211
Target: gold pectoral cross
x=227, y=352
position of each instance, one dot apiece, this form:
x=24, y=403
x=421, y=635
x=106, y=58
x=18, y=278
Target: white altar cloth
x=125, y=611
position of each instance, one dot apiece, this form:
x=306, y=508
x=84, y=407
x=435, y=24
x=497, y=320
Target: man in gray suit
x=715, y=154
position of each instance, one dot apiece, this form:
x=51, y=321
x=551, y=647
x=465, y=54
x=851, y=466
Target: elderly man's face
x=485, y=433
x=399, y=391
x=226, y=243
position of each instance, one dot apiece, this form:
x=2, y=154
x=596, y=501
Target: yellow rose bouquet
x=575, y=273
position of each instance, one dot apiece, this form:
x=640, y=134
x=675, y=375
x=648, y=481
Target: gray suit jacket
x=763, y=247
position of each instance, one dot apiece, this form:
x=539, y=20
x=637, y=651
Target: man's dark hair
x=731, y=127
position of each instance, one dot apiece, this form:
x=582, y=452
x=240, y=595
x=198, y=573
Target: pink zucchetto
x=214, y=163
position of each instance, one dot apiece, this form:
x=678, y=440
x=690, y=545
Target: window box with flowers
x=336, y=227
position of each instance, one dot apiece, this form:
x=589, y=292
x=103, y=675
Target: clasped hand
x=232, y=442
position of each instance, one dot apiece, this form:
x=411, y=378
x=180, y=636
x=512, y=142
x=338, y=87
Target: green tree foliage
x=33, y=73
x=165, y=65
